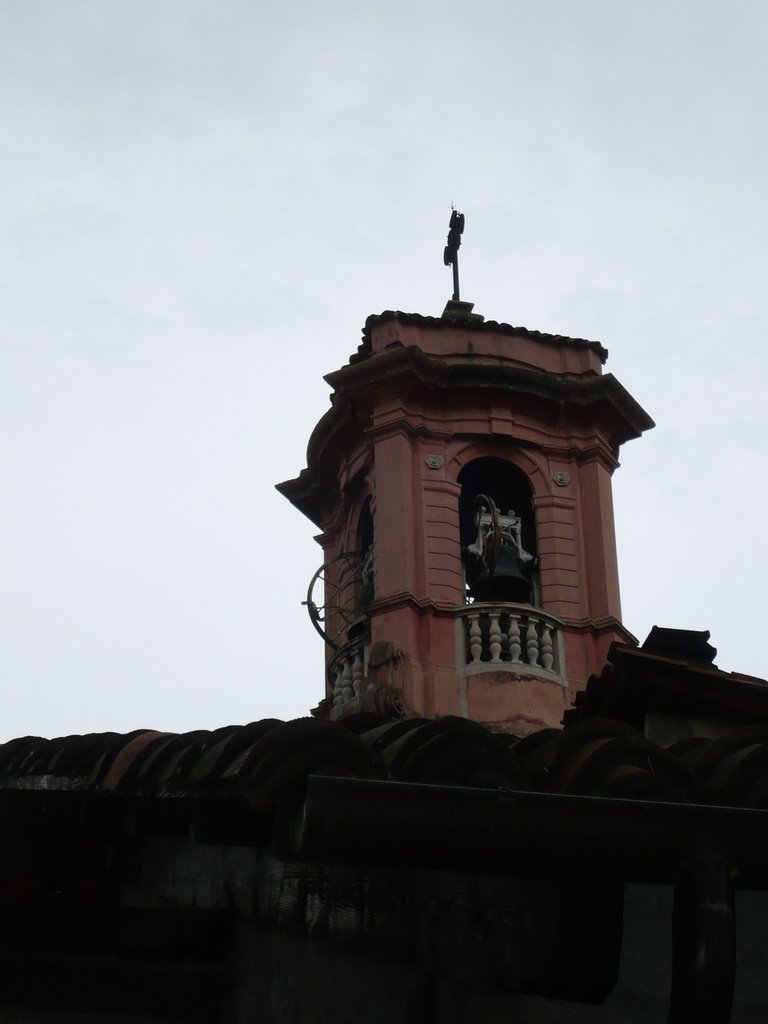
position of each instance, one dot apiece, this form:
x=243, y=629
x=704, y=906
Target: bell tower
x=461, y=481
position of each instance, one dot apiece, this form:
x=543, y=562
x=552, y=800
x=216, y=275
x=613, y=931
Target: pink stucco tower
x=462, y=483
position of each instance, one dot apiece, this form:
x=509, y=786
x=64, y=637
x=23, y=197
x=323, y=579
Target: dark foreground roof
x=149, y=876
x=269, y=761
x=659, y=679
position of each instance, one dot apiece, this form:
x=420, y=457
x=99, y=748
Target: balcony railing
x=494, y=636
x=346, y=672
x=516, y=637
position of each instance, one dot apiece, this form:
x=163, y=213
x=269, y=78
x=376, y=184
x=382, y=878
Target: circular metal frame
x=335, y=600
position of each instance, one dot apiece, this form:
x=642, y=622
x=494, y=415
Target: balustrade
x=495, y=636
x=505, y=634
x=346, y=672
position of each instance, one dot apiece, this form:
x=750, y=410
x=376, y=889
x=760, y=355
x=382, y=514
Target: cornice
x=477, y=373
x=355, y=385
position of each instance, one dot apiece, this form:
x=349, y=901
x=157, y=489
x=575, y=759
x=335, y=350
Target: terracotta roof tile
x=637, y=681
x=266, y=761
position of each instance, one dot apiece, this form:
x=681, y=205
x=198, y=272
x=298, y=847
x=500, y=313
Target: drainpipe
x=703, y=943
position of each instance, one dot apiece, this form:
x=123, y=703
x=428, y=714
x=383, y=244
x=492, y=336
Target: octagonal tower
x=462, y=483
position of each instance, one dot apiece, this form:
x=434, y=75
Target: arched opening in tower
x=365, y=547
x=498, y=532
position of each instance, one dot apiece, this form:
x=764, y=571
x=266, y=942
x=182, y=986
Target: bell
x=506, y=581
x=496, y=560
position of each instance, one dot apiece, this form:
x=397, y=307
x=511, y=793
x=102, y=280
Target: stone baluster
x=475, y=638
x=346, y=681
x=502, y=635
x=546, y=647
x=338, y=698
x=494, y=637
x=532, y=642
x=357, y=672
x=514, y=637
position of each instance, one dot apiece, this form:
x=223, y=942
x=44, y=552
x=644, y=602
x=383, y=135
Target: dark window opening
x=365, y=547
x=498, y=532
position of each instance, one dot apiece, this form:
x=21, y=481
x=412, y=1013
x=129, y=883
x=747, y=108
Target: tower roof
x=460, y=354
x=470, y=323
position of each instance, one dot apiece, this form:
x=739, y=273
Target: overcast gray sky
x=200, y=204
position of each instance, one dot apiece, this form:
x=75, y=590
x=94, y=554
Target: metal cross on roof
x=451, y=252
